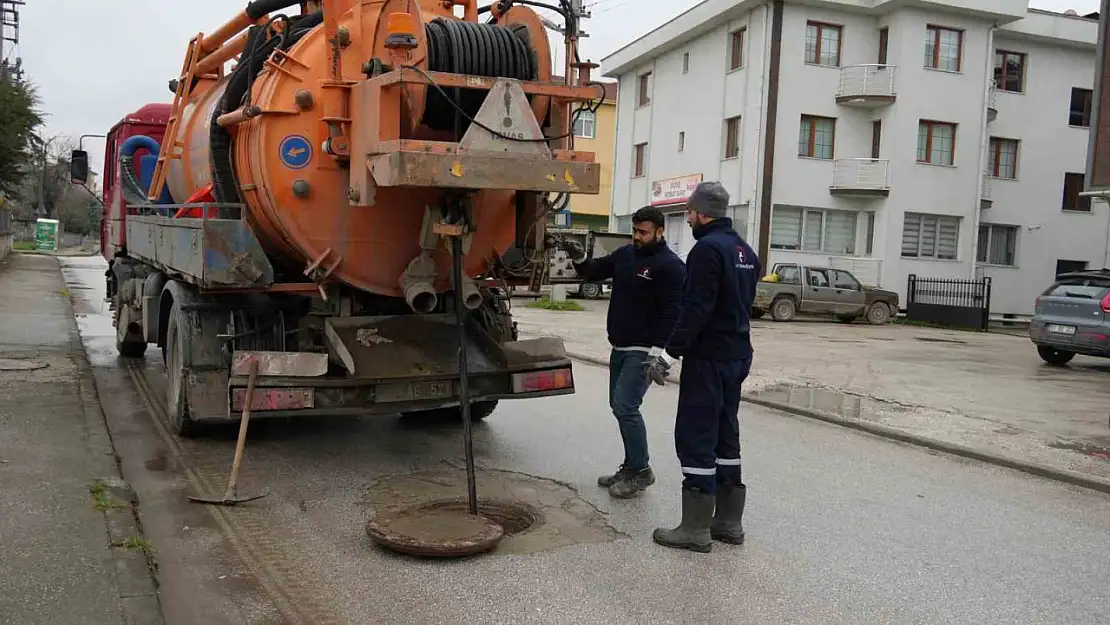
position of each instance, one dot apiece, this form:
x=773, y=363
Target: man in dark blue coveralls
x=712, y=337
x=647, y=287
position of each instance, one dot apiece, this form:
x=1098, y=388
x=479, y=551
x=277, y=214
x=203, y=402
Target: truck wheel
x=878, y=314
x=757, y=313
x=129, y=335
x=1053, y=356
x=177, y=409
x=590, y=290
x=783, y=309
x=479, y=411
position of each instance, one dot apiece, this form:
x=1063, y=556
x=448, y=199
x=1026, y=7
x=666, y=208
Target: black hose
x=475, y=49
x=261, y=8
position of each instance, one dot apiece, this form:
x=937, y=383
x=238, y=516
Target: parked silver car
x=1073, y=317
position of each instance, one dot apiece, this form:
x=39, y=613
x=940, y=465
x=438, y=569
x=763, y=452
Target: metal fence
x=950, y=301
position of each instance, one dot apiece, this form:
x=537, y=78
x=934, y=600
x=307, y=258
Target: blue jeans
x=627, y=386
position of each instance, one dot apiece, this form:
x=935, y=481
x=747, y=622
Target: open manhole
x=445, y=528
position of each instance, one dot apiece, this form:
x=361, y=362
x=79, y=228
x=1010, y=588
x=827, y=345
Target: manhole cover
x=435, y=532
x=14, y=364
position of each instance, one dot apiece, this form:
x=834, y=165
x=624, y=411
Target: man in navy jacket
x=647, y=286
x=713, y=339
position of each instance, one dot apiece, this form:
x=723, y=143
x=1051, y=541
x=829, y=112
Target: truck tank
x=267, y=134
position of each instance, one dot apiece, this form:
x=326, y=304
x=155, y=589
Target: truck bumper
x=283, y=397
x=383, y=365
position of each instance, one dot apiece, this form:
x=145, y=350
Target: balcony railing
x=861, y=176
x=866, y=84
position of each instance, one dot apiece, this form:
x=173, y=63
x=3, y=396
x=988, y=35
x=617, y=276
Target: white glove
x=657, y=352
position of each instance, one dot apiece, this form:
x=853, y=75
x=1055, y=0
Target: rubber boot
x=693, y=532
x=727, y=525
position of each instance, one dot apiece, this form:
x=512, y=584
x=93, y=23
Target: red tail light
x=556, y=379
x=1106, y=303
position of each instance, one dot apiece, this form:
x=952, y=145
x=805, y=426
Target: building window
x=639, y=158
x=686, y=63
x=816, y=136
x=936, y=142
x=732, y=137
x=1067, y=266
x=643, y=97
x=870, y=233
x=1009, y=71
x=930, y=236
x=943, y=47
x=585, y=125
x=1003, y=158
x=681, y=141
x=813, y=230
x=884, y=42
x=1080, y=112
x=1073, y=185
x=736, y=50
x=823, y=44
x=997, y=244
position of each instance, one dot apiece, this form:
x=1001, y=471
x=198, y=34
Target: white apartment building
x=942, y=138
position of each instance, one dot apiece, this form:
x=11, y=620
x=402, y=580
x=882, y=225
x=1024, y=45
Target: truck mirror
x=79, y=167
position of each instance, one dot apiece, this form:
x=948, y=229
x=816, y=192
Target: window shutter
x=947, y=237
x=786, y=228
x=929, y=236
x=911, y=235
x=840, y=232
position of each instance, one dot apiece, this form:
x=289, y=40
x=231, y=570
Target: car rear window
x=1082, y=288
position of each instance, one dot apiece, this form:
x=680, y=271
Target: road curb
x=1032, y=468
x=133, y=563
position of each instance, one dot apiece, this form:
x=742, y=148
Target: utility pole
x=9, y=34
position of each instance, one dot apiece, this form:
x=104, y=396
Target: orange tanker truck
x=340, y=194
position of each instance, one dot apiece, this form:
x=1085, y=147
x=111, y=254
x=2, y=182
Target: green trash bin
x=46, y=235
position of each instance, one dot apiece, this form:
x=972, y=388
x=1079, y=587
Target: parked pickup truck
x=790, y=289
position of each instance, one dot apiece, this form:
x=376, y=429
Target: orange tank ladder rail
x=180, y=99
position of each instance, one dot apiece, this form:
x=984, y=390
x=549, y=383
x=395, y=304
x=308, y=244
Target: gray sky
x=94, y=61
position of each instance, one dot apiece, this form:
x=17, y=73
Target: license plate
x=415, y=391
x=1059, y=329
x=271, y=399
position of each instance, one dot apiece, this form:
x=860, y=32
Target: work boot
x=693, y=532
x=726, y=526
x=632, y=483
x=605, y=481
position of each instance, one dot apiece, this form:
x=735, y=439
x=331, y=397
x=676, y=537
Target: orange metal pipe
x=223, y=54
x=233, y=27
x=238, y=116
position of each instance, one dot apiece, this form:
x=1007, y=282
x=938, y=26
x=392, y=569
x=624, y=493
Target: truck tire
x=129, y=334
x=177, y=409
x=878, y=314
x=1053, y=356
x=479, y=411
x=590, y=290
x=784, y=309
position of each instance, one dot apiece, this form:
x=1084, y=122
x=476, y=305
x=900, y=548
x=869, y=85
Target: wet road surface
x=842, y=527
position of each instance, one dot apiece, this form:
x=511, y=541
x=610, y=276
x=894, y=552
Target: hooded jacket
x=722, y=272
x=647, y=289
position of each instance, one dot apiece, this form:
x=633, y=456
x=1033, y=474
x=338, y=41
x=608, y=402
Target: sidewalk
x=985, y=396
x=72, y=549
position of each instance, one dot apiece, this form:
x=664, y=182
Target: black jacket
x=722, y=272
x=647, y=289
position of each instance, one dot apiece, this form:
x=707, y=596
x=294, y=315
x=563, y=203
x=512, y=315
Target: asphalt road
x=842, y=527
